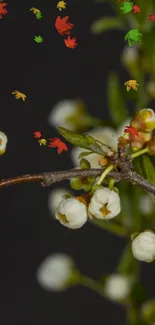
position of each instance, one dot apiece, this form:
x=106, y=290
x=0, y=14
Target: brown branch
x=47, y=179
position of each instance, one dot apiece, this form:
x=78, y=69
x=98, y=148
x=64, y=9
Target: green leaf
x=84, y=164
x=147, y=167
x=84, y=154
x=104, y=24
x=116, y=103
x=82, y=141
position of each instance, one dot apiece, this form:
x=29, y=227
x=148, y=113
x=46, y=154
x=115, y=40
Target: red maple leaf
x=3, y=11
x=136, y=9
x=62, y=25
x=57, y=143
x=151, y=17
x=70, y=42
x=37, y=134
x=132, y=131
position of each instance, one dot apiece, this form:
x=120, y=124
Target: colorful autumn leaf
x=132, y=131
x=61, y=5
x=131, y=84
x=3, y=11
x=133, y=36
x=70, y=42
x=38, y=39
x=39, y=15
x=19, y=95
x=151, y=17
x=57, y=143
x=37, y=134
x=126, y=7
x=35, y=11
x=42, y=142
x=136, y=9
x=63, y=26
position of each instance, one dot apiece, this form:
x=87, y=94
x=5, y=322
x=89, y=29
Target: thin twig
x=47, y=179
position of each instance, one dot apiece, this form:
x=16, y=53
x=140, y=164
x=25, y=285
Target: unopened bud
x=144, y=120
x=104, y=204
x=140, y=140
x=143, y=246
x=3, y=142
x=148, y=311
x=72, y=212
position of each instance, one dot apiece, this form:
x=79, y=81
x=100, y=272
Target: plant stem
x=138, y=153
x=112, y=227
x=104, y=174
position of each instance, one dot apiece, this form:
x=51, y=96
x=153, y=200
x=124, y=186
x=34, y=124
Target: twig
x=47, y=179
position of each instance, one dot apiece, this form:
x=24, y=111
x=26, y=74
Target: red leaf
x=136, y=9
x=62, y=26
x=151, y=17
x=37, y=134
x=57, y=143
x=132, y=131
x=3, y=11
x=70, y=42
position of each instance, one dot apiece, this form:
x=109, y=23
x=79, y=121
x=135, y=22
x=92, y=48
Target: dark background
x=47, y=73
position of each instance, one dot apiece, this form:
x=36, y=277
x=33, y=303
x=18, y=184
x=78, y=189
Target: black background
x=47, y=73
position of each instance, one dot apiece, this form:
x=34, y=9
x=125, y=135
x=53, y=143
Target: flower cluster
x=73, y=212
x=140, y=134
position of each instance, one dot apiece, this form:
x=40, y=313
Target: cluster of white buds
x=75, y=211
x=3, y=142
x=143, y=246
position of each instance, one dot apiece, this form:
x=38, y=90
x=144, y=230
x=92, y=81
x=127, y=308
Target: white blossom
x=54, y=199
x=72, y=213
x=3, y=142
x=54, y=272
x=129, y=55
x=143, y=246
x=104, y=204
x=118, y=287
x=63, y=111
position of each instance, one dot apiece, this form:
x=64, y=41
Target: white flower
x=63, y=111
x=104, y=204
x=129, y=55
x=146, y=204
x=54, y=199
x=143, y=246
x=118, y=287
x=55, y=272
x=72, y=213
x=3, y=142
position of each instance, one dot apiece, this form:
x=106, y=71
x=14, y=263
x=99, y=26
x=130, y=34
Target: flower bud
x=3, y=142
x=72, y=213
x=118, y=287
x=140, y=140
x=55, y=272
x=144, y=120
x=143, y=246
x=104, y=204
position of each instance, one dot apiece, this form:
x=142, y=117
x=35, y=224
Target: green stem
x=91, y=284
x=138, y=153
x=111, y=227
x=104, y=174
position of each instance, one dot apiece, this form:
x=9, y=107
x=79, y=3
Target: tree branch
x=47, y=179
